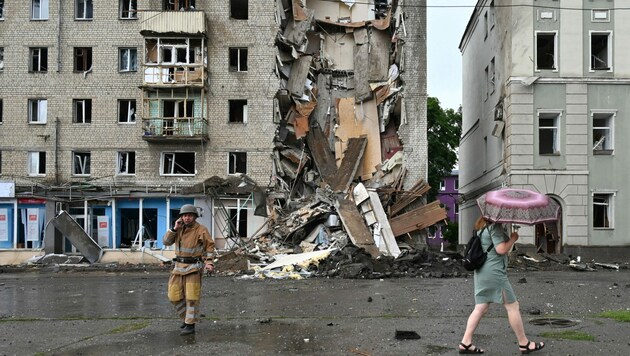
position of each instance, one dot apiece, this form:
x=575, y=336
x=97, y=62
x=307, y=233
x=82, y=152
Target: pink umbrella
x=519, y=206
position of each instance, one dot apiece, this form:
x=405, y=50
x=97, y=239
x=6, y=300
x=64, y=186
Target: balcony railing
x=175, y=129
x=174, y=75
x=172, y=22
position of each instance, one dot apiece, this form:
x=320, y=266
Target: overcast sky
x=445, y=27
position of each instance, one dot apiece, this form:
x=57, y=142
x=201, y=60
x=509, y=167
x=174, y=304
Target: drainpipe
x=59, y=35
x=57, y=151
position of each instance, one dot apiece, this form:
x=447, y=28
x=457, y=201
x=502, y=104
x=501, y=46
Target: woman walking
x=493, y=286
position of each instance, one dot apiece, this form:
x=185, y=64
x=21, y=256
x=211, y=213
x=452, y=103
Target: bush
x=451, y=234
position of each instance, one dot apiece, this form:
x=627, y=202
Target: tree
x=444, y=128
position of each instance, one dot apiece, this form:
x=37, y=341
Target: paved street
x=98, y=313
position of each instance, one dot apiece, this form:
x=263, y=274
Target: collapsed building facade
x=272, y=117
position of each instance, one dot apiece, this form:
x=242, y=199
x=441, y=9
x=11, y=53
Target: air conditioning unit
x=498, y=113
x=498, y=129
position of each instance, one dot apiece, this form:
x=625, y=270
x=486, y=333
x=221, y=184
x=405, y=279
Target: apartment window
x=456, y=184
x=38, y=59
x=486, y=25
x=601, y=51
x=83, y=9
x=1, y=59
x=178, y=5
x=36, y=163
x=127, y=59
x=126, y=111
x=238, y=111
x=81, y=163
x=126, y=163
x=238, y=218
x=546, y=49
x=442, y=185
x=603, y=133
x=178, y=163
x=237, y=162
x=82, y=59
x=238, y=59
x=39, y=9
x=1, y=9
x=239, y=9
x=37, y=111
x=491, y=15
x=1, y=111
x=548, y=133
x=602, y=210
x=128, y=9
x=492, y=76
x=82, y=111
x=600, y=15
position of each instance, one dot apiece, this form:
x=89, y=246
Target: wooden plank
x=418, y=190
x=299, y=72
x=322, y=155
x=355, y=226
x=349, y=164
x=386, y=230
x=418, y=219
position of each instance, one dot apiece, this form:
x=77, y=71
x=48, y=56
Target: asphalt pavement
x=127, y=313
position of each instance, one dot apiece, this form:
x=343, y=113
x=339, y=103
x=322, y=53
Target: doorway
x=549, y=235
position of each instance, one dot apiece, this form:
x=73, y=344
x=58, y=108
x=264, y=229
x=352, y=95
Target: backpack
x=474, y=255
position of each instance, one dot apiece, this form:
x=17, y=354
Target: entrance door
x=549, y=236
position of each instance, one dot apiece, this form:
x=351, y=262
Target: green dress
x=491, y=281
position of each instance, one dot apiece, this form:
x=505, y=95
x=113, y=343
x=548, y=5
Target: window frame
x=35, y=158
x=608, y=145
x=131, y=8
x=556, y=144
x=81, y=169
x=41, y=52
x=172, y=155
x=238, y=5
x=233, y=162
x=1, y=110
x=43, y=12
x=126, y=163
x=609, y=51
x=1, y=10
x=237, y=115
x=609, y=213
x=236, y=61
x=555, y=50
x=83, y=106
x=131, y=115
x=131, y=64
x=42, y=111
x=1, y=59
x=88, y=10
x=86, y=57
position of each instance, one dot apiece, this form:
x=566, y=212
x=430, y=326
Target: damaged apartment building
x=118, y=113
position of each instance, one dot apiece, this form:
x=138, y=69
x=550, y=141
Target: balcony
x=181, y=129
x=174, y=75
x=175, y=23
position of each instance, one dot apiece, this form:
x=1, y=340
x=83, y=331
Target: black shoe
x=182, y=326
x=188, y=329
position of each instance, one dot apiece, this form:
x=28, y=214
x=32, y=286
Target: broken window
x=81, y=163
x=602, y=133
x=237, y=162
x=178, y=163
x=126, y=163
x=178, y=108
x=178, y=5
x=0, y=111
x=83, y=9
x=38, y=59
x=546, y=50
x=37, y=111
x=602, y=210
x=82, y=59
x=442, y=185
x=1, y=9
x=1, y=59
x=238, y=111
x=82, y=111
x=548, y=133
x=126, y=111
x=128, y=59
x=238, y=59
x=491, y=77
x=39, y=10
x=36, y=163
x=239, y=9
x=128, y=9
x=238, y=217
x=601, y=51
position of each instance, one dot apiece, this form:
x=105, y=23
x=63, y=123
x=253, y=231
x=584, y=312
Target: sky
x=445, y=27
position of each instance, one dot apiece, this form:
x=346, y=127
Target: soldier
x=194, y=248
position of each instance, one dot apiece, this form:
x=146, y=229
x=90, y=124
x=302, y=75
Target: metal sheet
x=77, y=236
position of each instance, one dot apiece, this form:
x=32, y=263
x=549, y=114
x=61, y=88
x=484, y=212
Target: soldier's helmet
x=188, y=209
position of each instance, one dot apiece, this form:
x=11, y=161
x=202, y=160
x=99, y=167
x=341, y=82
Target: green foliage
x=451, y=234
x=618, y=315
x=444, y=128
x=568, y=335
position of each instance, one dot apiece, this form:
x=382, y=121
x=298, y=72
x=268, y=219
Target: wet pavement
x=116, y=313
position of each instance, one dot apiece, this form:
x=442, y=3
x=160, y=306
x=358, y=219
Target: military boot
x=188, y=329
